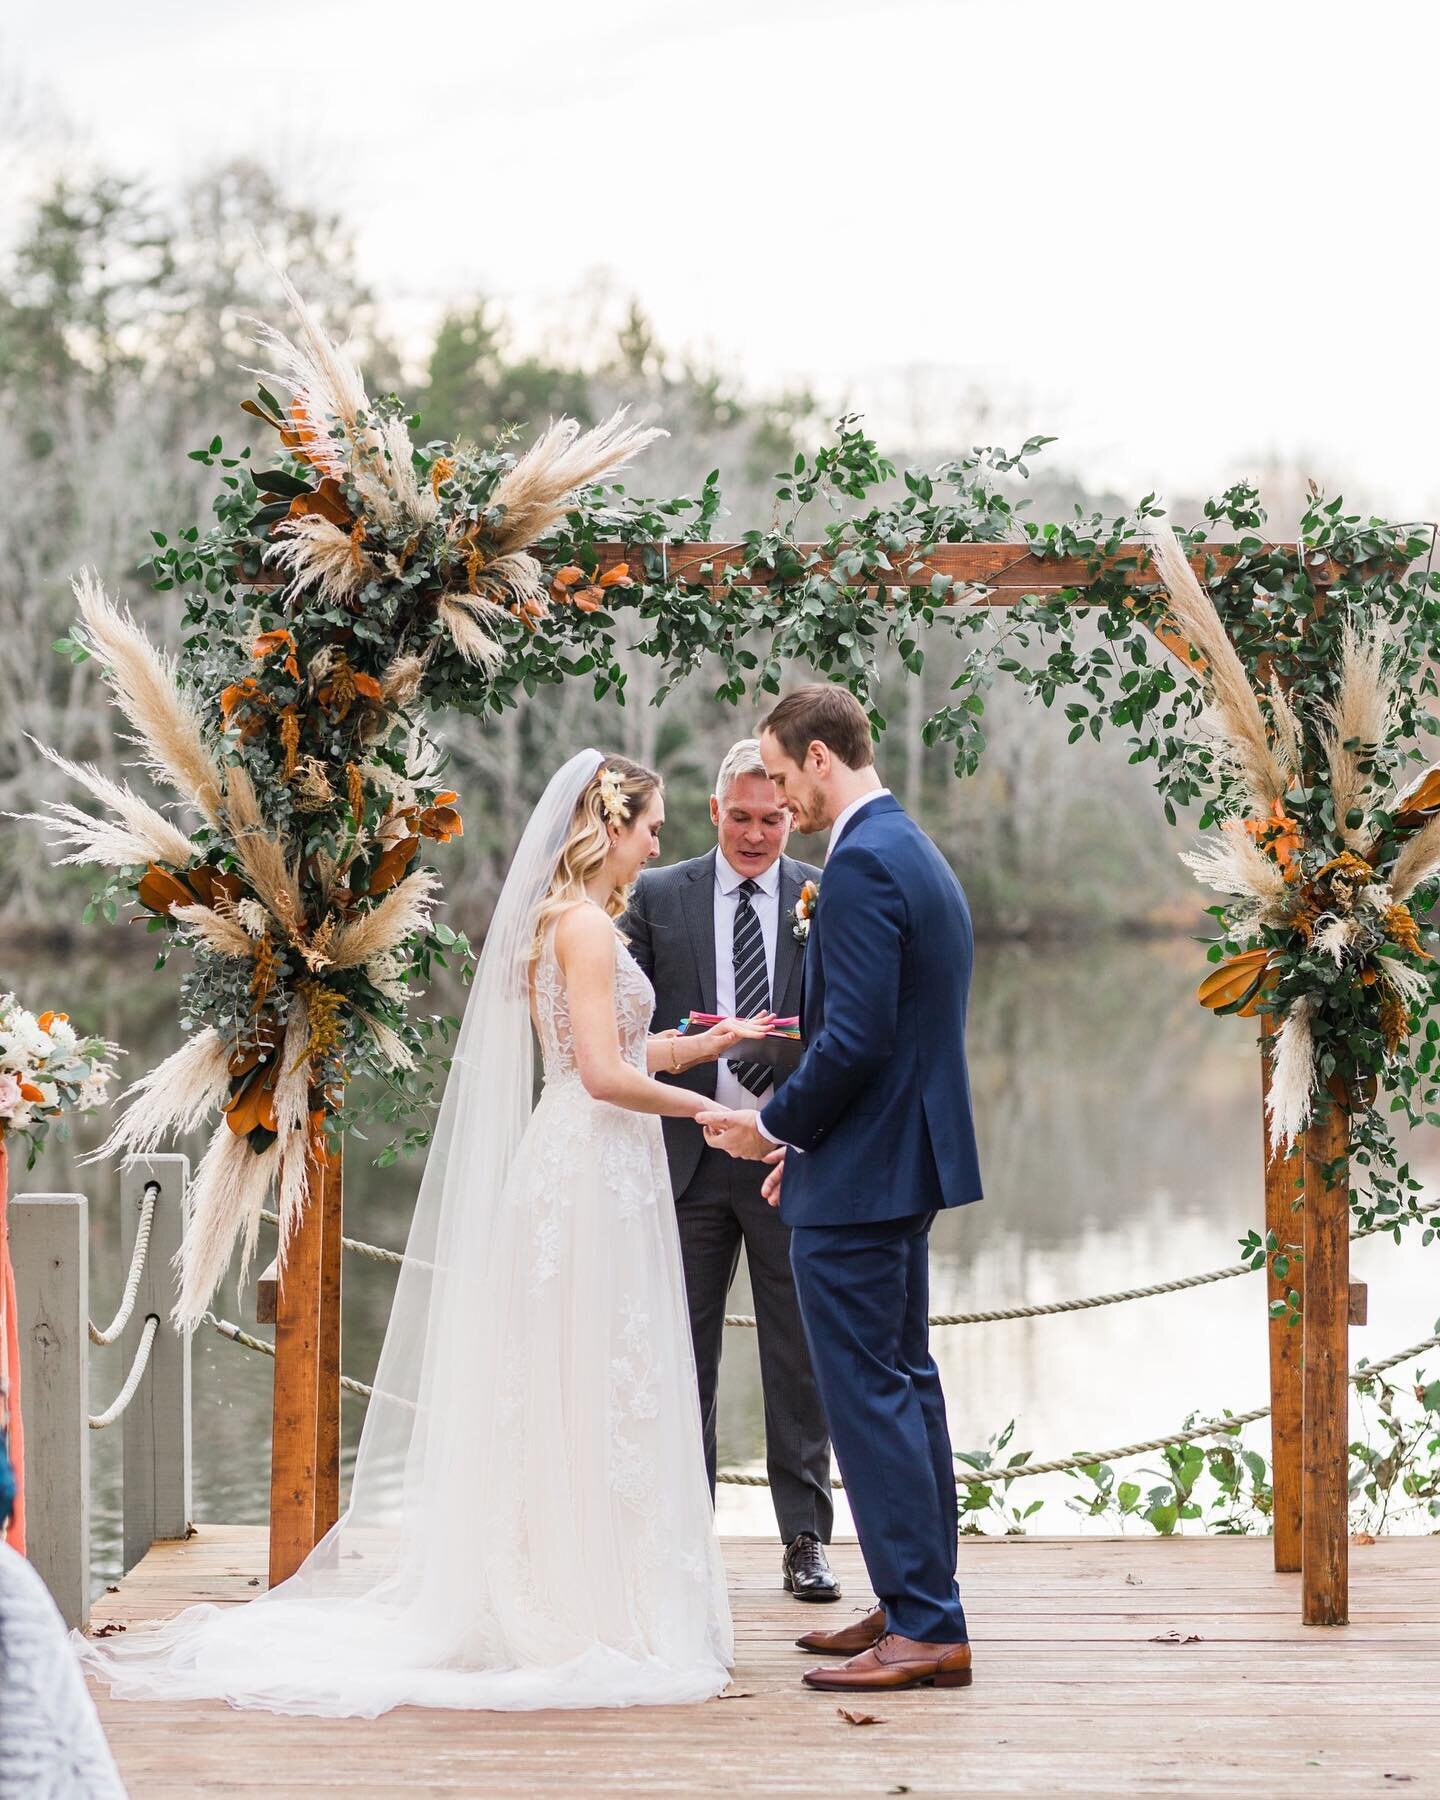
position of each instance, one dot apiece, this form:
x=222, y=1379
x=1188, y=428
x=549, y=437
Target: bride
x=530, y=1522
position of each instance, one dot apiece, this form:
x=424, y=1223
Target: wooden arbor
x=1309, y=1368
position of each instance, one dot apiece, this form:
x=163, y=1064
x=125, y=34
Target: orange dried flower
x=1279, y=836
x=1394, y=1021
x=290, y=740
x=441, y=821
x=1401, y=929
x=269, y=642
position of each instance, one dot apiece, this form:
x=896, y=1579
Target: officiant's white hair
x=740, y=759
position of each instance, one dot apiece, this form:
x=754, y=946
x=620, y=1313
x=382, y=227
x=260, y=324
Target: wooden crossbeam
x=1007, y=571
x=1001, y=573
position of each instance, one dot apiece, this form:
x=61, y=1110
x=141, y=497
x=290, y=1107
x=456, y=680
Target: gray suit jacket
x=671, y=928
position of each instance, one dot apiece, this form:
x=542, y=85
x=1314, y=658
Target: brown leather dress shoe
x=849, y=1640
x=896, y=1662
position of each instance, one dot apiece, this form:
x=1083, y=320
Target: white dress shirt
x=847, y=814
x=728, y=1091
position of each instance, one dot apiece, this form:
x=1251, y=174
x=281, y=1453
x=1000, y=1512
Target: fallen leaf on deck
x=744, y=1694
x=1174, y=1637
x=107, y=1630
x=254, y=1581
x=1133, y=1581
x=858, y=1718
x=1390, y=1777
x=1368, y=1537
x=112, y=1587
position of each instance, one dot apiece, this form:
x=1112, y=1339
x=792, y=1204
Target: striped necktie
x=752, y=982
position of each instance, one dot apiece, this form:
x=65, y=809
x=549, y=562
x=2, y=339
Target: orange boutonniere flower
x=804, y=911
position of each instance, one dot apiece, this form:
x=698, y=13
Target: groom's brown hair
x=822, y=714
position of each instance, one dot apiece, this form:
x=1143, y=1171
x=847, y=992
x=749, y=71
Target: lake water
x=1120, y=1140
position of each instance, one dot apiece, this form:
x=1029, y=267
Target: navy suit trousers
x=864, y=1292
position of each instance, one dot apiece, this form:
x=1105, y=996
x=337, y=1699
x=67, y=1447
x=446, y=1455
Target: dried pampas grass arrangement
x=1261, y=763
x=404, y=574
x=1292, y=1076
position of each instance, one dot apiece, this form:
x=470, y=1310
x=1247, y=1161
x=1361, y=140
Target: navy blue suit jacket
x=880, y=1104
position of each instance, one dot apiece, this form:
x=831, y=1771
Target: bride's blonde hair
x=617, y=793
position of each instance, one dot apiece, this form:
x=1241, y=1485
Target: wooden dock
x=1102, y=1666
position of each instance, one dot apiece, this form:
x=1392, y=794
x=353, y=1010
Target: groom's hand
x=770, y=1186
x=735, y=1132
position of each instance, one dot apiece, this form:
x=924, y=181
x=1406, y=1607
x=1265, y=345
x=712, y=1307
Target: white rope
x=376, y=1252
x=98, y=1421
x=745, y=1322
x=244, y=1339
x=1084, y=1459
x=137, y=1268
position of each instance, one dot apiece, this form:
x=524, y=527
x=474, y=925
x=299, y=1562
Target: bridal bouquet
x=47, y=1070
x=354, y=584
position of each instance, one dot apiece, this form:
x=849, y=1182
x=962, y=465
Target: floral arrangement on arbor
x=1294, y=727
x=355, y=583
x=1319, y=856
x=47, y=1071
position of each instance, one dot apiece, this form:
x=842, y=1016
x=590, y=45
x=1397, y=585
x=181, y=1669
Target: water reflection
x=1120, y=1136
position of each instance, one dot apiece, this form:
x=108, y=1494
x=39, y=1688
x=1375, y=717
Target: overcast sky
x=1184, y=237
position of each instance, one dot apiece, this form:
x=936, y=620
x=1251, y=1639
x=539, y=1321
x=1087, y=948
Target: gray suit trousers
x=720, y=1210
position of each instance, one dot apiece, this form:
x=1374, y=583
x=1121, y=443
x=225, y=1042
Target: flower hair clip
x=611, y=797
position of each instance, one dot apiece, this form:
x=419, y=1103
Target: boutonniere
x=804, y=911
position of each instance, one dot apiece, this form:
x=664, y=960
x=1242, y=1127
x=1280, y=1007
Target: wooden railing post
x=50, y=1245
x=1325, y=1527
x=1283, y=1219
x=156, y=1500
x=307, y=1379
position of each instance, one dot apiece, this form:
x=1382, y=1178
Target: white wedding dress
x=530, y=1523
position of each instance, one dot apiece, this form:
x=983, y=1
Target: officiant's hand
x=770, y=1186
x=735, y=1132
x=711, y=1045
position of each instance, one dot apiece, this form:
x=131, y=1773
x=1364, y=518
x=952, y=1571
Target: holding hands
x=735, y=1132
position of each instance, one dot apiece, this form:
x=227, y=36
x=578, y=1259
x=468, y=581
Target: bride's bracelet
x=675, y=1067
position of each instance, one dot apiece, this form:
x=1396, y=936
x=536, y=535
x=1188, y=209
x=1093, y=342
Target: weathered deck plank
x=1072, y=1694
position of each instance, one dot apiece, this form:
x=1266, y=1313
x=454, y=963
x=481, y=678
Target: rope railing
x=1227, y=1426
x=238, y=1336
x=376, y=1252
x=1084, y=1459
x=137, y=1268
x=98, y=1421
x=1042, y=1309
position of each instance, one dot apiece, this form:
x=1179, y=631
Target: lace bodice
x=634, y=1008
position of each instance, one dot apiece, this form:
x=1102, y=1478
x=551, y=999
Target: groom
x=870, y=1138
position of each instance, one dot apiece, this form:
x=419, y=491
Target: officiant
x=719, y=934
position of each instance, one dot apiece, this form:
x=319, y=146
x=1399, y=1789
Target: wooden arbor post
x=1284, y=1220
x=304, y=1302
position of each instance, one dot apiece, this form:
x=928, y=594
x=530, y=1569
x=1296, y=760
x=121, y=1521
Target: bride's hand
x=711, y=1045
